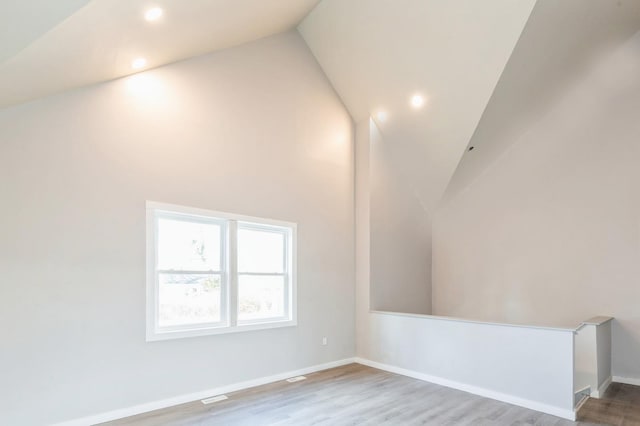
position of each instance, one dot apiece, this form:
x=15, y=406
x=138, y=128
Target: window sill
x=153, y=336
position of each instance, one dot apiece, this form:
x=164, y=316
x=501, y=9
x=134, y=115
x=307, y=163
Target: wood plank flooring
x=620, y=406
x=351, y=395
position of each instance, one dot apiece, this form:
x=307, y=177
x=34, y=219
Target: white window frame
x=228, y=272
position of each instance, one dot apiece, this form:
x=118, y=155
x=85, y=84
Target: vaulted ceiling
x=558, y=44
x=48, y=46
x=379, y=53
x=485, y=69
x=22, y=22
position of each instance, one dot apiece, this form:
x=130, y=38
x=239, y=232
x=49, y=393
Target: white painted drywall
x=531, y=367
x=550, y=233
x=592, y=354
x=603, y=343
x=378, y=53
x=560, y=37
x=400, y=236
x=362, y=233
x=83, y=42
x=526, y=366
x=586, y=359
x=254, y=130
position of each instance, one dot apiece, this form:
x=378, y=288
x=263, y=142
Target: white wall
x=400, y=236
x=586, y=360
x=592, y=354
x=378, y=53
x=550, y=233
x=362, y=233
x=527, y=366
x=603, y=343
x=255, y=130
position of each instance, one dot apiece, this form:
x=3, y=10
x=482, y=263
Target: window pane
x=188, y=299
x=260, y=297
x=260, y=251
x=188, y=246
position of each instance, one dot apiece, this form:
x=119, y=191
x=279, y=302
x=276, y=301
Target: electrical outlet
x=324, y=341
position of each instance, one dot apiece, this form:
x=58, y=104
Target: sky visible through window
x=191, y=273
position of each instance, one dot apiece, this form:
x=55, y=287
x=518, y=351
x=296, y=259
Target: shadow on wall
x=400, y=241
x=551, y=227
x=626, y=366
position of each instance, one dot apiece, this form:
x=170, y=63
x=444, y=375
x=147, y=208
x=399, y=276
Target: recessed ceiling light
x=417, y=101
x=153, y=14
x=382, y=116
x=138, y=63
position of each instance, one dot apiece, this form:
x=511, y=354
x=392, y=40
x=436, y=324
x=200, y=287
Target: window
x=211, y=272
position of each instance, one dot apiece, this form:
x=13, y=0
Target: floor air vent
x=296, y=379
x=214, y=399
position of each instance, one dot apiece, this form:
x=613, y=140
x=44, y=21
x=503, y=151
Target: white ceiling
x=48, y=46
x=21, y=22
x=557, y=45
x=377, y=53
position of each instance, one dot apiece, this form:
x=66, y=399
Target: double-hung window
x=211, y=272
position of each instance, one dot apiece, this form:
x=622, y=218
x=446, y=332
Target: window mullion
x=224, y=274
x=233, y=273
x=156, y=277
x=287, y=277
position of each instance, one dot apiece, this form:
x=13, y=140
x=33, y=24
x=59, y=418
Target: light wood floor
x=349, y=395
x=620, y=406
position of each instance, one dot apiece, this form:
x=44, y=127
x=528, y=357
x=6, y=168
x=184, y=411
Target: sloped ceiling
x=378, y=53
x=22, y=22
x=557, y=45
x=48, y=46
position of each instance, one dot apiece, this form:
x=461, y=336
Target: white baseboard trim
x=526, y=403
x=602, y=389
x=583, y=401
x=181, y=399
x=626, y=380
